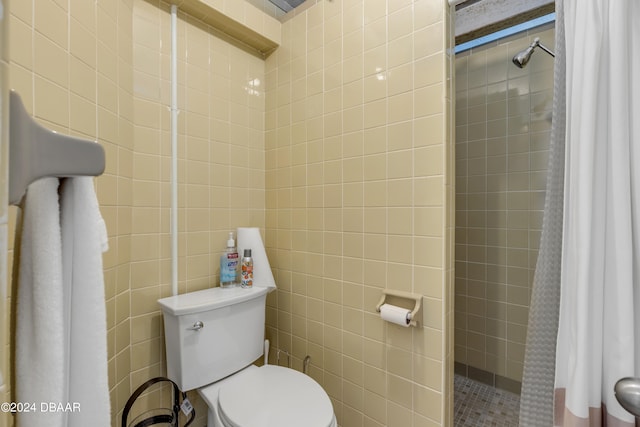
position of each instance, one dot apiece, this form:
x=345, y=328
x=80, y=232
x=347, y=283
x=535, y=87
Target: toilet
x=212, y=338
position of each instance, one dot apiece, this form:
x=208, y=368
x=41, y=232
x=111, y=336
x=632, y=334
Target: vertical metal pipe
x=174, y=149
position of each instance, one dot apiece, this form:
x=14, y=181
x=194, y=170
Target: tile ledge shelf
x=264, y=40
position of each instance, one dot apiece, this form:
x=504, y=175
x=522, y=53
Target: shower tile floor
x=480, y=405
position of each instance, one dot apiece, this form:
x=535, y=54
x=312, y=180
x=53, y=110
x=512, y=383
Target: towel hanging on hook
x=36, y=152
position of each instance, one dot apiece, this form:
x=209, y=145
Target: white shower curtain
x=537, y=395
x=599, y=327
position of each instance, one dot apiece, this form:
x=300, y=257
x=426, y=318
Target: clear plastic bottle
x=229, y=264
x=246, y=275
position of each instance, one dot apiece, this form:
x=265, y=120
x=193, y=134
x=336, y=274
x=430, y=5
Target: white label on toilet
x=186, y=407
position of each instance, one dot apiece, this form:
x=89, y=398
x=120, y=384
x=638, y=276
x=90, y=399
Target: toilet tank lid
x=208, y=299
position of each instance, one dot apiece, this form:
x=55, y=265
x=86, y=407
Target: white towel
x=84, y=238
x=40, y=352
x=61, y=344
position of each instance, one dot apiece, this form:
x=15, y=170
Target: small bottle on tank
x=246, y=273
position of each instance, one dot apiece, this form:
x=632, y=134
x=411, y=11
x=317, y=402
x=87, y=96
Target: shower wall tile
x=502, y=138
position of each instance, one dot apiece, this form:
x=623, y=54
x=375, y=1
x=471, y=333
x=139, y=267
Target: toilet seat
x=273, y=396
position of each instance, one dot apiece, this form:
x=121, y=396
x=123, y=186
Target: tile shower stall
x=503, y=124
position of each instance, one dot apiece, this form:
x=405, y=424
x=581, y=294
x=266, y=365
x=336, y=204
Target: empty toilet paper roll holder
x=405, y=300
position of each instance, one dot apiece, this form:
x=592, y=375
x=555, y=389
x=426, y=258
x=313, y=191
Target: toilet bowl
x=212, y=338
x=269, y=396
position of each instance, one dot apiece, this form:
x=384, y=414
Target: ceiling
x=477, y=18
x=287, y=5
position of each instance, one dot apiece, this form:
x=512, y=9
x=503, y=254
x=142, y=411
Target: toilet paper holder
x=405, y=300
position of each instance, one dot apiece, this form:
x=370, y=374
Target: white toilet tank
x=213, y=333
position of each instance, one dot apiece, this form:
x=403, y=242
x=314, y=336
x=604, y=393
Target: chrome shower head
x=522, y=58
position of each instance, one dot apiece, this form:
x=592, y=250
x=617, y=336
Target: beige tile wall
x=5, y=317
x=344, y=159
x=220, y=172
x=72, y=64
x=359, y=186
x=502, y=137
x=101, y=70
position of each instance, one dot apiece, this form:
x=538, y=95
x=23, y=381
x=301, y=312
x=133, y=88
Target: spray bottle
x=246, y=279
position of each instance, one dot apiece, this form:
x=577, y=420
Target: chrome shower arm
x=536, y=42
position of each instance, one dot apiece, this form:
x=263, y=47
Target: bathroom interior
x=369, y=154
